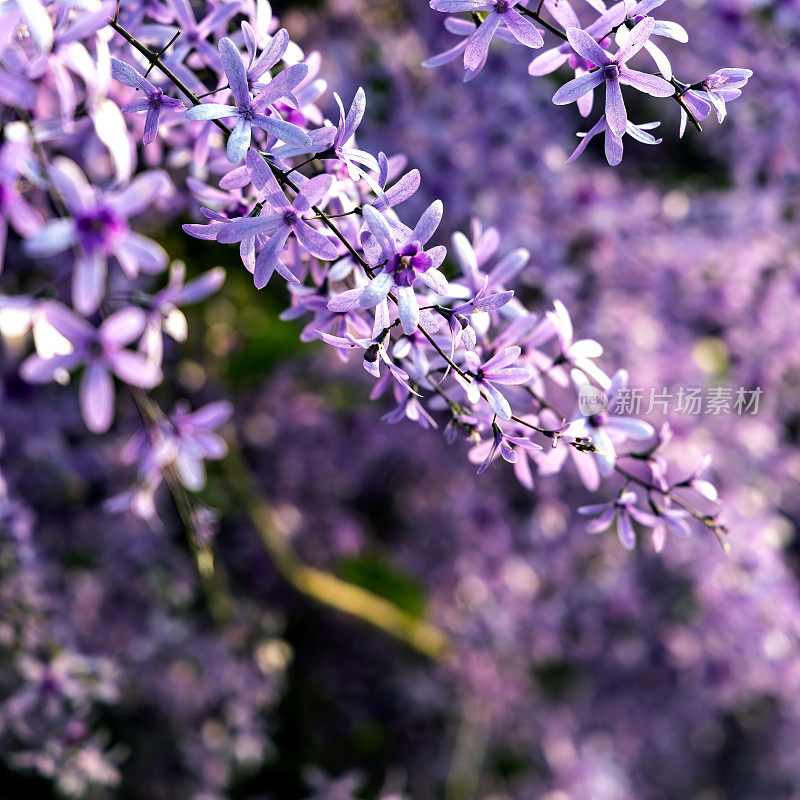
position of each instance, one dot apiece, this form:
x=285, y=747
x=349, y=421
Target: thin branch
x=212, y=574
x=162, y=51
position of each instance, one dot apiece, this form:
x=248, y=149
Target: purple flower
x=103, y=351
x=674, y=520
x=622, y=510
x=466, y=29
x=724, y=86
x=98, y=226
x=497, y=370
x=501, y=444
x=374, y=353
x=154, y=102
x=250, y=111
x=164, y=313
x=408, y=407
x=402, y=263
x=550, y=60
x=698, y=484
x=191, y=440
x=344, y=138
x=613, y=144
x=38, y=25
x=578, y=354
x=604, y=428
x=258, y=65
x=194, y=34
x=307, y=299
x=477, y=46
x=613, y=72
x=472, y=255
x=621, y=19
x=72, y=32
x=483, y=302
x=696, y=103
x=281, y=220
x=14, y=209
x=401, y=190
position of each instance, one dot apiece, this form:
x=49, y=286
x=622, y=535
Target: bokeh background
x=578, y=671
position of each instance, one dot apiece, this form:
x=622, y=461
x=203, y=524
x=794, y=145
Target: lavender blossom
x=15, y=211
x=402, y=264
x=249, y=111
x=154, y=103
x=104, y=352
x=724, y=86
x=191, y=440
x=504, y=445
x=343, y=140
x=461, y=27
x=624, y=512
x=613, y=71
x=498, y=369
x=613, y=144
x=98, y=226
x=477, y=46
x=280, y=222
x=550, y=60
x=603, y=428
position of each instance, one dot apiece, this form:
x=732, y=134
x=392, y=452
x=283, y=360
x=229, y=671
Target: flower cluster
x=302, y=200
x=229, y=114
x=584, y=49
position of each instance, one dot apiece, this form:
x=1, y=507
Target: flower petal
x=616, y=116
x=586, y=47
x=578, y=87
x=234, y=71
x=97, y=398
x=523, y=29
x=377, y=289
x=478, y=45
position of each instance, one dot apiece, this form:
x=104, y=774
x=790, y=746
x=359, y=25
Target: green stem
x=319, y=585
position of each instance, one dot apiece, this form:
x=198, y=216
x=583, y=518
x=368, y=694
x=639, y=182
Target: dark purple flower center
x=99, y=228
x=50, y=684
x=501, y=6
x=408, y=263
x=290, y=217
x=597, y=420
x=156, y=98
x=611, y=72
x=94, y=350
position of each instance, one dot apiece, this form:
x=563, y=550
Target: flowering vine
x=302, y=200
x=585, y=50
